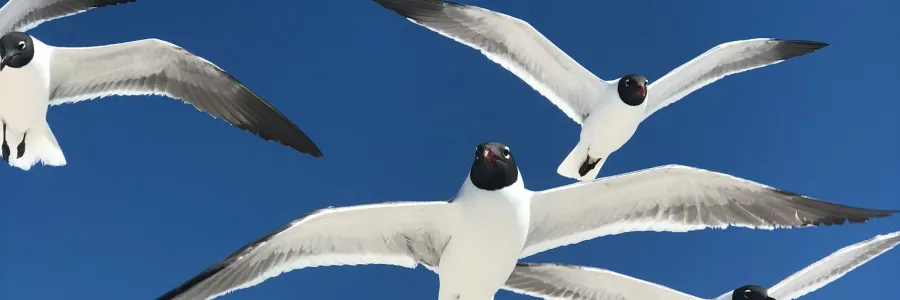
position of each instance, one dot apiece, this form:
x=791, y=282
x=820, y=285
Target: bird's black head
x=633, y=89
x=494, y=167
x=16, y=50
x=751, y=292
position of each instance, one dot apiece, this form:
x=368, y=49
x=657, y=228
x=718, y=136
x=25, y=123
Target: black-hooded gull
x=609, y=111
x=474, y=240
x=34, y=76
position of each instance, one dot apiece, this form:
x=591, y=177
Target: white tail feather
x=569, y=167
x=40, y=146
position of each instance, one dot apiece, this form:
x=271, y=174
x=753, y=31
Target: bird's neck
x=515, y=192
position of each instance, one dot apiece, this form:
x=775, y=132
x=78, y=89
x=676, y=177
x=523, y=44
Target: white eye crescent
x=21, y=45
x=627, y=82
x=506, y=152
x=747, y=294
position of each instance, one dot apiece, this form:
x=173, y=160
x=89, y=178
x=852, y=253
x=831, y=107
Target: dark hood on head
x=494, y=167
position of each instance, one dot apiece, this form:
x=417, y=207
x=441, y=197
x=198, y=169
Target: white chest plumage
x=25, y=98
x=487, y=240
x=611, y=125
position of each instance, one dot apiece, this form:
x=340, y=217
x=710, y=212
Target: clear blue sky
x=155, y=191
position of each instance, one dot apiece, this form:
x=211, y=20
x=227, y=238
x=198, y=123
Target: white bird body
x=23, y=108
x=607, y=128
x=488, y=235
x=25, y=96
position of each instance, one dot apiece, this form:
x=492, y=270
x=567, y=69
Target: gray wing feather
x=399, y=233
x=720, y=61
x=833, y=267
x=676, y=199
x=558, y=281
x=22, y=15
x=157, y=67
x=512, y=43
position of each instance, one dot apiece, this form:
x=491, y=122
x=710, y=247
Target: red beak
x=643, y=90
x=489, y=156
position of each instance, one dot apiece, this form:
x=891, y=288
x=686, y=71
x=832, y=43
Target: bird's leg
x=21, y=147
x=5, y=146
x=587, y=165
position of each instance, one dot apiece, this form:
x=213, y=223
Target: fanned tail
x=578, y=162
x=40, y=146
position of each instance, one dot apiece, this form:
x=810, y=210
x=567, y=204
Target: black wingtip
x=299, y=141
x=811, y=44
x=793, y=48
x=102, y=3
x=191, y=283
x=835, y=214
x=315, y=152
x=235, y=256
x=306, y=147
x=415, y=9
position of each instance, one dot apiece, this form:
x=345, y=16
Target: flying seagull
x=609, y=111
x=34, y=75
x=555, y=281
x=476, y=239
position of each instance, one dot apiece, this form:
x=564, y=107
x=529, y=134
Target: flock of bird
x=474, y=240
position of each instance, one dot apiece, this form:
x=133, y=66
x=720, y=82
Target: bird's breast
x=485, y=244
x=610, y=126
x=24, y=98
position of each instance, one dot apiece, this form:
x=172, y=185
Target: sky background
x=156, y=192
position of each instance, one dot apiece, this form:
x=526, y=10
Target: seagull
x=474, y=240
x=556, y=281
x=34, y=76
x=608, y=111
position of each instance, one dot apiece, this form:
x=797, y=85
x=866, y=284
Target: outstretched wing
x=720, y=61
x=557, y=281
x=400, y=233
x=513, y=44
x=673, y=198
x=156, y=67
x=23, y=15
x=833, y=267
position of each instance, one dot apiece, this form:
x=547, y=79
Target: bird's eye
x=646, y=82
x=747, y=294
x=21, y=45
x=627, y=82
x=506, y=152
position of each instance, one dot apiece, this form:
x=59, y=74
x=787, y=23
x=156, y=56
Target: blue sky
x=155, y=191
